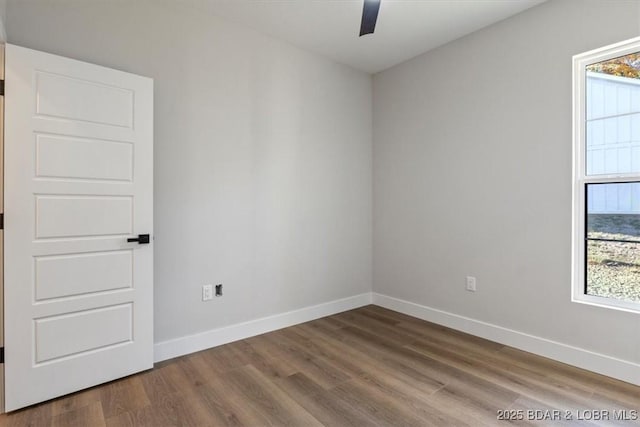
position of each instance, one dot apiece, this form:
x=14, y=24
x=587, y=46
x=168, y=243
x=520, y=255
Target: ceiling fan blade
x=369, y=16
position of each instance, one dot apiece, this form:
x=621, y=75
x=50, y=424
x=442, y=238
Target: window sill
x=629, y=307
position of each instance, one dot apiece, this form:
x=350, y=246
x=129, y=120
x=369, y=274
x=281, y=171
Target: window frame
x=581, y=179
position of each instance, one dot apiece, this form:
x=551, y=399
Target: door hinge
x=1, y=87
x=1, y=354
x=1, y=221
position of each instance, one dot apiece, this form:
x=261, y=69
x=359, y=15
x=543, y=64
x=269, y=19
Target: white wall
x=262, y=156
x=472, y=176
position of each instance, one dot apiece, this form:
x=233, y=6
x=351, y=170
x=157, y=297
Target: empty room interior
x=319, y=212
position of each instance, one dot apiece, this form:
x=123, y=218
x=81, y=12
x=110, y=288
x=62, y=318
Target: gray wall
x=3, y=20
x=472, y=175
x=262, y=156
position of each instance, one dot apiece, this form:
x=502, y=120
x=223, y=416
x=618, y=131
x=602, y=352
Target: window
x=606, y=182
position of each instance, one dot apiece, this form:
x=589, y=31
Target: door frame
x=2, y=48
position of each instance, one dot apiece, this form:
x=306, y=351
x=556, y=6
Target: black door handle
x=142, y=239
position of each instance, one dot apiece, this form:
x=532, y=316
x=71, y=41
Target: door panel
x=78, y=274
x=81, y=158
x=64, y=216
x=79, y=297
x=54, y=341
x=66, y=97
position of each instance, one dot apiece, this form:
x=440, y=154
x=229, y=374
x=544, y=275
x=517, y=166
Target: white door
x=78, y=184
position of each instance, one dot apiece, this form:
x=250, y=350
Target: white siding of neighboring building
x=613, y=141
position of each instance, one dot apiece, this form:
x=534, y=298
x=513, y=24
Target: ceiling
x=406, y=28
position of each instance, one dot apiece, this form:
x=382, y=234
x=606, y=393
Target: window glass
x=612, y=102
x=613, y=241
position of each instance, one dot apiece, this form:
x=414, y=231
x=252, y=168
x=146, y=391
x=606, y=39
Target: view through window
x=612, y=178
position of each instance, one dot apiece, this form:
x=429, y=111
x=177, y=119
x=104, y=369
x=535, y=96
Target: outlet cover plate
x=471, y=283
x=207, y=292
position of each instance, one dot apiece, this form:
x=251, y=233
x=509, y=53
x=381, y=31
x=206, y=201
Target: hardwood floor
x=368, y=366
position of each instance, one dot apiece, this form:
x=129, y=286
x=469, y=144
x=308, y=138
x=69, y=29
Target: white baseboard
x=600, y=363
x=190, y=344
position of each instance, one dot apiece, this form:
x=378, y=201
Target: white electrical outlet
x=207, y=292
x=471, y=283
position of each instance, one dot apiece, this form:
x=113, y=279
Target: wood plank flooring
x=365, y=367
